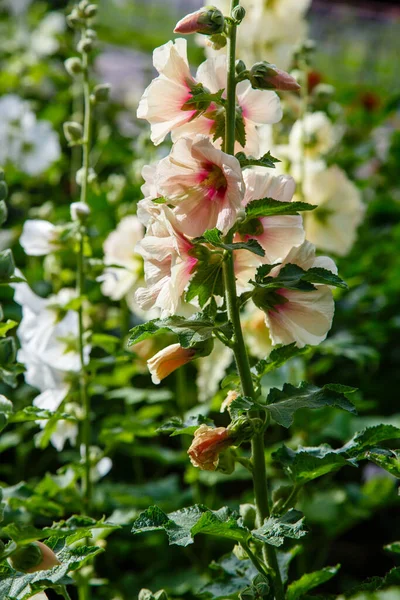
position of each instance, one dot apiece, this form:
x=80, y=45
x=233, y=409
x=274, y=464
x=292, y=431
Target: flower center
x=213, y=181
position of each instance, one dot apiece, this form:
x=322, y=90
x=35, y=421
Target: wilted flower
x=207, y=444
x=162, y=102
x=39, y=237
x=333, y=225
x=230, y=397
x=204, y=184
x=174, y=356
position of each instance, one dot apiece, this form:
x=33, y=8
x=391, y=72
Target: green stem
x=303, y=111
x=258, y=456
x=81, y=273
x=64, y=592
x=261, y=568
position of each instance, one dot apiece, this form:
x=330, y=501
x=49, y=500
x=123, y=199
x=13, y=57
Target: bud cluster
x=81, y=14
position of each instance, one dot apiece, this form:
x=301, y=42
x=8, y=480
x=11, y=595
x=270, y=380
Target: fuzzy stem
x=258, y=456
x=81, y=273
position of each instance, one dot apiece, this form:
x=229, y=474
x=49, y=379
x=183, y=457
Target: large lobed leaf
x=276, y=529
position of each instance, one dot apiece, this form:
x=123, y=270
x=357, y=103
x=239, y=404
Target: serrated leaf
x=243, y=404
x=6, y=410
x=282, y=404
x=182, y=525
x=277, y=358
x=307, y=464
x=76, y=526
x=176, y=426
x=369, y=438
x=323, y=276
x=240, y=129
x=293, y=277
x=266, y=160
x=268, y=207
x=309, y=581
x=230, y=577
x=276, y=529
x=206, y=282
x=214, y=237
x=386, y=459
x=15, y=585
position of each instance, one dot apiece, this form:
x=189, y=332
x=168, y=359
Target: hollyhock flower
x=316, y=133
x=302, y=317
x=207, y=444
x=168, y=360
x=39, y=237
x=125, y=273
x=168, y=263
x=333, y=225
x=204, y=184
x=44, y=39
x=162, y=101
x=258, y=106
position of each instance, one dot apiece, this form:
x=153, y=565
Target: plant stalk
x=260, y=483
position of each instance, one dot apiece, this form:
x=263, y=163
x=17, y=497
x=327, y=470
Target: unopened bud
x=83, y=4
x=208, y=21
x=230, y=397
x=238, y=14
x=248, y=514
x=73, y=19
x=85, y=45
x=73, y=66
x=79, y=211
x=91, y=34
x=240, y=66
x=34, y=557
x=264, y=76
x=101, y=93
x=92, y=176
x=240, y=552
x=90, y=11
x=73, y=132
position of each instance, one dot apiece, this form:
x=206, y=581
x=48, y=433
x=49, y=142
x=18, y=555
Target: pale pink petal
x=259, y=106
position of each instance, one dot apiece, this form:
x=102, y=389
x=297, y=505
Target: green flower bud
x=248, y=514
x=73, y=66
x=73, y=19
x=90, y=11
x=79, y=211
x=240, y=66
x=101, y=93
x=218, y=41
x=73, y=132
x=145, y=594
x=161, y=595
x=238, y=14
x=85, y=45
x=91, y=34
x=240, y=552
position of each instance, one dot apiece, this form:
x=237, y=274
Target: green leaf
x=214, y=237
x=3, y=212
x=5, y=327
x=282, y=404
x=267, y=160
x=6, y=410
x=15, y=585
x=276, y=529
x=309, y=581
x=182, y=525
x=268, y=207
x=393, y=547
x=240, y=129
x=176, y=426
x=277, y=358
x=7, y=266
x=324, y=276
x=293, y=277
x=369, y=438
x=230, y=577
x=108, y=343
x=201, y=99
x=386, y=459
x=206, y=282
x=307, y=464
x=243, y=404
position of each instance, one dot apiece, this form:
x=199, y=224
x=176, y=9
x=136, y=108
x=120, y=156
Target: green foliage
x=214, y=237
x=276, y=529
x=230, y=576
x=268, y=207
x=309, y=581
x=177, y=426
x=266, y=160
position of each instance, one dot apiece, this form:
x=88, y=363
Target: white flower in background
x=315, y=133
x=271, y=30
x=211, y=369
x=32, y=146
x=101, y=465
x=125, y=273
x=204, y=183
x=168, y=264
x=255, y=331
x=302, y=317
x=17, y=7
x=259, y=107
x=39, y=237
x=162, y=101
x=333, y=225
x=49, y=350
x=43, y=40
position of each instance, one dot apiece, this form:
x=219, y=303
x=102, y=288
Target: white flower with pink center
x=259, y=107
x=204, y=183
x=162, y=101
x=302, y=317
x=168, y=264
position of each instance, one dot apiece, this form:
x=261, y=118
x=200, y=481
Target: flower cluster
x=31, y=146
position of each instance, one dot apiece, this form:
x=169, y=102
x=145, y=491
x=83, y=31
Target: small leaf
x=214, y=237
x=6, y=410
x=283, y=404
x=268, y=207
x=276, y=529
x=5, y=327
x=175, y=426
x=243, y=404
x=182, y=525
x=230, y=577
x=307, y=464
x=277, y=358
x=206, y=282
x=386, y=459
x=267, y=160
x=309, y=581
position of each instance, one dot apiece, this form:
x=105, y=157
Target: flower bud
x=90, y=11
x=218, y=41
x=73, y=132
x=264, y=76
x=174, y=356
x=92, y=176
x=240, y=66
x=101, y=93
x=73, y=66
x=208, y=20
x=34, y=557
x=248, y=514
x=79, y=211
x=145, y=594
x=207, y=444
x=85, y=45
x=238, y=14
x=91, y=34
x=73, y=19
